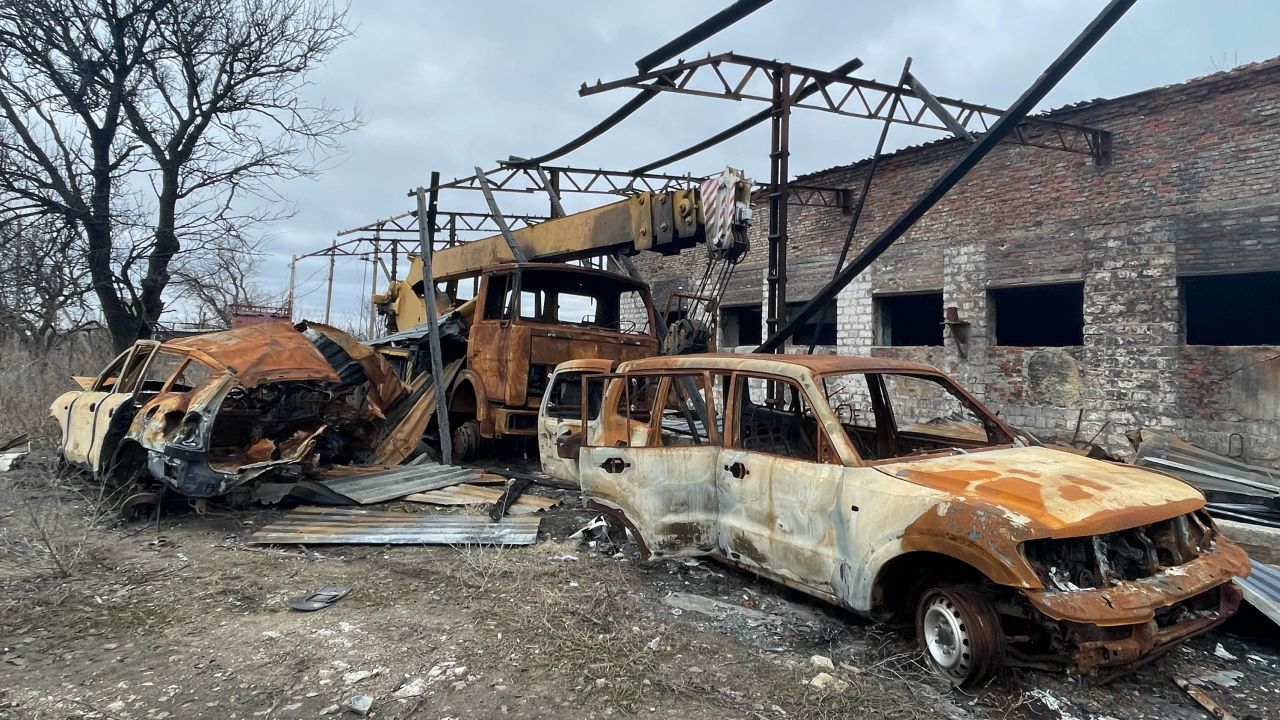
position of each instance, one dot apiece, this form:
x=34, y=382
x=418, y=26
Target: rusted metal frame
x=1044, y=133
x=862, y=196
x=408, y=223
x=699, y=32
x=747, y=124
x=578, y=180
x=553, y=193
x=779, y=174
x=426, y=236
x=517, y=252
x=812, y=196
x=956, y=127
x=553, y=189
x=1000, y=130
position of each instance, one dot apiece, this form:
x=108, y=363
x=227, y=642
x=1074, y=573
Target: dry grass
x=46, y=523
x=31, y=377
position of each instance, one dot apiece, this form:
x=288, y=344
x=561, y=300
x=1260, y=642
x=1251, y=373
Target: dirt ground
x=181, y=619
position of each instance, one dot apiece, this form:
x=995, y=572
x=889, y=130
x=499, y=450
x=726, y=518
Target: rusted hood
x=1054, y=493
x=261, y=353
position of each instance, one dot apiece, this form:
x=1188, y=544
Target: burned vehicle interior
x=886, y=416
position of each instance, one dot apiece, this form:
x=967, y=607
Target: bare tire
x=960, y=635
x=466, y=440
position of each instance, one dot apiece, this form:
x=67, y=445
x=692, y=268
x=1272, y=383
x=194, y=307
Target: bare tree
x=44, y=285
x=65, y=68
x=220, y=281
x=158, y=128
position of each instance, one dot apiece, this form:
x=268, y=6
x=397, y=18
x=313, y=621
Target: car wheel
x=466, y=440
x=960, y=635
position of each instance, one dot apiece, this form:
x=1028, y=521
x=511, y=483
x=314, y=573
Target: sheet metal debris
x=1233, y=490
x=475, y=495
x=355, y=526
x=367, y=488
x=320, y=599
x=1262, y=589
x=13, y=451
x=1206, y=702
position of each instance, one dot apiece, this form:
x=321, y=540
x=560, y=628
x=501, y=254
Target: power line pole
x=328, y=296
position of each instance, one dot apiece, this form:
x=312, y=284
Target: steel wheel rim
x=946, y=637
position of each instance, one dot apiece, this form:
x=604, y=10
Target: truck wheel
x=960, y=634
x=466, y=440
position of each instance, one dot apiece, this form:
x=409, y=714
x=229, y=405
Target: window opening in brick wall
x=1039, y=316
x=819, y=329
x=903, y=320
x=741, y=325
x=1232, y=309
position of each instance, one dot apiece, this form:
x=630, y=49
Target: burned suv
x=885, y=488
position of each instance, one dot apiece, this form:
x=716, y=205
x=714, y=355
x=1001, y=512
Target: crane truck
x=531, y=308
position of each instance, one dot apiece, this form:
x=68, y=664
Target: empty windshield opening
x=894, y=415
x=567, y=298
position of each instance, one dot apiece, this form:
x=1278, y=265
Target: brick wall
x=1192, y=189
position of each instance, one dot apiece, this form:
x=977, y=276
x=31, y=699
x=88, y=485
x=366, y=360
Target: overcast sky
x=450, y=85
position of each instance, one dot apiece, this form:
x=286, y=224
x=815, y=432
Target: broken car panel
x=210, y=414
x=883, y=487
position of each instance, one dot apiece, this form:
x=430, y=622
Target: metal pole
x=293, y=277
x=373, y=290
x=426, y=225
x=328, y=296
x=999, y=130
x=778, y=170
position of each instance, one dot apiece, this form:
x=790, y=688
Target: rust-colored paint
x=174, y=426
x=259, y=353
x=830, y=530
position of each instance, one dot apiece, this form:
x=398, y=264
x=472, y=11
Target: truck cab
x=501, y=346
x=530, y=318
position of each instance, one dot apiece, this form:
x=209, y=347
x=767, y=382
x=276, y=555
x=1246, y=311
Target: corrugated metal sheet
x=355, y=526
x=369, y=488
x=475, y=495
x=1262, y=589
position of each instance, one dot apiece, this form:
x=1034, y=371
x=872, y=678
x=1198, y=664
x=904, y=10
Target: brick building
x=1143, y=293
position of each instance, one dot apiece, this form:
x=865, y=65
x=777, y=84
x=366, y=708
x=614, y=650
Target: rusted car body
x=223, y=413
x=524, y=320
x=883, y=487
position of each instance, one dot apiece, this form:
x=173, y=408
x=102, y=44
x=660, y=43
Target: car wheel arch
x=901, y=580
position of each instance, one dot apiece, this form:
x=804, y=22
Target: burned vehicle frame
x=883, y=487
x=241, y=414
x=523, y=321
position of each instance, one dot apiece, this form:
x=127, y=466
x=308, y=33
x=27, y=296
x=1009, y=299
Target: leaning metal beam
x=697, y=34
x=1002, y=128
x=740, y=77
x=937, y=108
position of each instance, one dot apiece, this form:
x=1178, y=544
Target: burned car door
x=651, y=458
x=780, y=486
x=561, y=416
x=97, y=419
